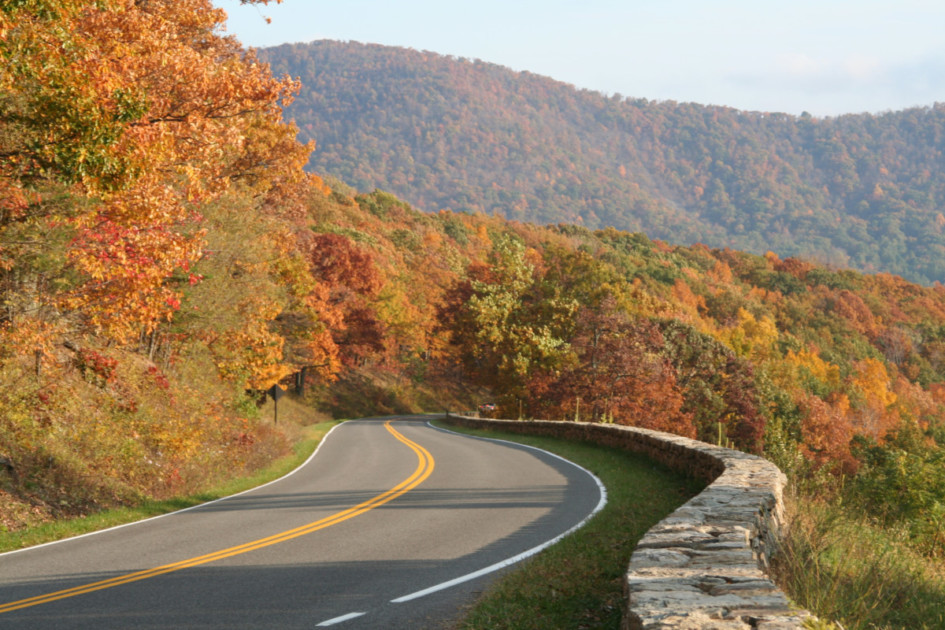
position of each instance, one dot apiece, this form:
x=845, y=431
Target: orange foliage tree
x=352, y=279
x=145, y=112
x=874, y=414
x=827, y=431
x=616, y=374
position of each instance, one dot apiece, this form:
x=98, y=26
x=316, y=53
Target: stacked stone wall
x=705, y=566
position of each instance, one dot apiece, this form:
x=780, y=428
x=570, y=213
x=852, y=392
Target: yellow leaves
x=268, y=375
x=401, y=307
x=824, y=371
x=318, y=185
x=872, y=381
x=180, y=438
x=756, y=339
x=253, y=353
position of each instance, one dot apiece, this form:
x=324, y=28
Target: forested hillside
x=164, y=258
x=862, y=191
x=148, y=205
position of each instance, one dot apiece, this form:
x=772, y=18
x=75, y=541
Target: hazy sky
x=827, y=57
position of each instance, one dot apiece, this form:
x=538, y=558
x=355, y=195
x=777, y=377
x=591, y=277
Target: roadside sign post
x=276, y=392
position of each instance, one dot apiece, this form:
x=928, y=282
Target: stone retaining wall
x=705, y=566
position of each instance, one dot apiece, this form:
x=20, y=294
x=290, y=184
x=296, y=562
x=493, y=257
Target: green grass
x=578, y=583
x=309, y=438
x=847, y=569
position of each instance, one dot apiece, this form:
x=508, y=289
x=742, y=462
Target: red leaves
x=339, y=263
x=347, y=278
x=160, y=380
x=96, y=367
x=617, y=375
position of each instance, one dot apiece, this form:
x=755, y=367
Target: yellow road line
x=424, y=470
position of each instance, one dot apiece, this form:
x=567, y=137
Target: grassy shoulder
x=307, y=440
x=577, y=583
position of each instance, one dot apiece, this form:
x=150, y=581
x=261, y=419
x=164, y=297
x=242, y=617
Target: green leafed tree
x=506, y=326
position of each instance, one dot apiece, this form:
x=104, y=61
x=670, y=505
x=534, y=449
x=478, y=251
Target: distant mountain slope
x=862, y=190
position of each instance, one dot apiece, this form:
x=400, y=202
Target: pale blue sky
x=827, y=57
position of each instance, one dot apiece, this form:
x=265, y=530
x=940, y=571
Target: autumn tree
x=352, y=280
x=616, y=373
x=505, y=326
x=827, y=431
x=874, y=414
x=718, y=387
x=752, y=337
x=141, y=113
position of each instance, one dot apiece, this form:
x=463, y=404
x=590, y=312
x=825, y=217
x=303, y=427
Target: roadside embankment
x=705, y=566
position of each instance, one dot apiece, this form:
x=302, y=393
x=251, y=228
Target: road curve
x=392, y=524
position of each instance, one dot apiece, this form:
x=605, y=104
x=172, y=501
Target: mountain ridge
x=858, y=190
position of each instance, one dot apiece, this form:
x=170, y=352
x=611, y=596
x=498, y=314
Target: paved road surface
x=386, y=511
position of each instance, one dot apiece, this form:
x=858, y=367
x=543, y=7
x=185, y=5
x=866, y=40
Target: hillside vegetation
x=862, y=191
x=164, y=258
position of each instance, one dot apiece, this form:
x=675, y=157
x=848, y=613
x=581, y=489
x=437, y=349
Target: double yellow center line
x=424, y=470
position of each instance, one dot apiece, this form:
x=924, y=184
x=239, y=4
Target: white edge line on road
x=187, y=509
x=524, y=554
x=341, y=619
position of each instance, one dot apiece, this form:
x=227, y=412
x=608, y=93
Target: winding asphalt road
x=388, y=525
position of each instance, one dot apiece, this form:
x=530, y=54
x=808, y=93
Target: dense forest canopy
x=862, y=191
